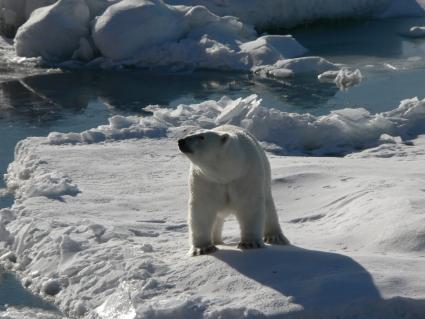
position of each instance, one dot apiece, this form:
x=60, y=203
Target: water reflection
x=43, y=98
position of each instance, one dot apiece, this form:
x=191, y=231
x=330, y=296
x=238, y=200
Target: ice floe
x=187, y=35
x=118, y=248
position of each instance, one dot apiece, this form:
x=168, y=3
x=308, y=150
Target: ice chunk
x=290, y=67
x=343, y=78
x=54, y=32
x=51, y=287
x=269, y=49
x=339, y=132
x=415, y=32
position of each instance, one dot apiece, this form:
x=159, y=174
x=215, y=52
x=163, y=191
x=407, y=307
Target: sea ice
x=339, y=132
x=343, y=78
x=152, y=34
x=361, y=227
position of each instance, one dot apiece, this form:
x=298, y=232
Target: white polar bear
x=229, y=173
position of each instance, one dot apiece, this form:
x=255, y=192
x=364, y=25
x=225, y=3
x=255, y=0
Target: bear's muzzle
x=184, y=148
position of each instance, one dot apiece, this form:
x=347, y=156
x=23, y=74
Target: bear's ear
x=224, y=138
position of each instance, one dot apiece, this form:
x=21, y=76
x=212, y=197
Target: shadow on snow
x=327, y=285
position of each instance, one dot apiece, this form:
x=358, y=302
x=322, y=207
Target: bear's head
x=217, y=154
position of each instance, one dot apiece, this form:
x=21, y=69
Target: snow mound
x=340, y=132
x=28, y=178
x=131, y=26
x=150, y=33
x=54, y=32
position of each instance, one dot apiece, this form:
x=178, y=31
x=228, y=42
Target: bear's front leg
x=201, y=223
x=251, y=217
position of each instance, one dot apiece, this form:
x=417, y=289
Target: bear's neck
x=219, y=175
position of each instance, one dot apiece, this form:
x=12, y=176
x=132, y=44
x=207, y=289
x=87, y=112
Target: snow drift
x=339, y=132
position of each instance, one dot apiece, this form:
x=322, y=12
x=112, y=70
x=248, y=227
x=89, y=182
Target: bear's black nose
x=183, y=146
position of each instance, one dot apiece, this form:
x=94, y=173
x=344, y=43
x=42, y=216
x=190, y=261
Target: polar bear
x=229, y=173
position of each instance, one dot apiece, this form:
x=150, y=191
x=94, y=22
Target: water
x=34, y=102
x=12, y=293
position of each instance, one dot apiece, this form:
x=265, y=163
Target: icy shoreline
x=115, y=247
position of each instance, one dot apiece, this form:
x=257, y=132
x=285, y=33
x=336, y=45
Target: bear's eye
x=201, y=137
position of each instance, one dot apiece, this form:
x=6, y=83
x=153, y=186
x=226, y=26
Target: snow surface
x=339, y=132
x=118, y=248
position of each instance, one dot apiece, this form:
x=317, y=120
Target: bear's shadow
x=314, y=279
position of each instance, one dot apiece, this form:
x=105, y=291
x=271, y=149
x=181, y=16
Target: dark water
x=34, y=105
x=12, y=293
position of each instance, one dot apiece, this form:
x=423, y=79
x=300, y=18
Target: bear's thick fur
x=229, y=173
